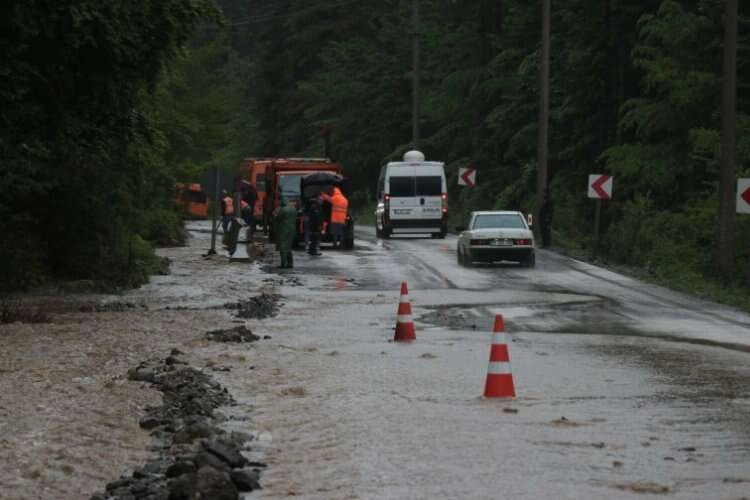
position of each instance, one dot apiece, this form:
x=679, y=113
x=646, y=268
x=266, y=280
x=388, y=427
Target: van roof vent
x=413, y=155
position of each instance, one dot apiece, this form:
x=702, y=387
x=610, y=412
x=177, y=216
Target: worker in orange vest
x=227, y=210
x=339, y=207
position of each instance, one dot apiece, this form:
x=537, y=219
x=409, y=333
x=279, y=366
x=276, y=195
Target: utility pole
x=542, y=148
x=728, y=143
x=415, y=75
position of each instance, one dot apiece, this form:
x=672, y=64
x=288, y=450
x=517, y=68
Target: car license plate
x=501, y=242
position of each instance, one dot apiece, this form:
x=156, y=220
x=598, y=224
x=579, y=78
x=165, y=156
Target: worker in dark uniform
x=546, y=212
x=284, y=231
x=314, y=212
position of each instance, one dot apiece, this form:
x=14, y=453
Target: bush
x=160, y=227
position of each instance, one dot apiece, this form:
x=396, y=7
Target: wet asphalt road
x=625, y=390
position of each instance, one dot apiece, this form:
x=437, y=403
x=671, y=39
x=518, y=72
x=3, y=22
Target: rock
x=236, y=334
x=192, y=432
x=204, y=458
x=262, y=306
x=215, y=484
x=120, y=483
x=150, y=422
x=180, y=468
x=142, y=375
x=225, y=452
x=246, y=480
x=176, y=352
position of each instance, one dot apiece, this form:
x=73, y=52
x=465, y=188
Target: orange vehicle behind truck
x=192, y=199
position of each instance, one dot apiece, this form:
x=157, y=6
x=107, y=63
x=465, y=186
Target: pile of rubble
x=261, y=306
x=196, y=458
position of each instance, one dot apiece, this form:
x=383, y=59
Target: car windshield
x=502, y=221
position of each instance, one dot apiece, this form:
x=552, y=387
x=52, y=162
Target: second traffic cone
x=404, y=324
x=499, y=377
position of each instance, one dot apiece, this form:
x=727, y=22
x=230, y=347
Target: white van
x=412, y=198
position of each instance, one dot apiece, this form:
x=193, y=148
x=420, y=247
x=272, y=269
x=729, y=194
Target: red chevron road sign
x=600, y=186
x=743, y=196
x=467, y=177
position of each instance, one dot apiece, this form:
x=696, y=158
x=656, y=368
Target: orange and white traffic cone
x=404, y=324
x=499, y=377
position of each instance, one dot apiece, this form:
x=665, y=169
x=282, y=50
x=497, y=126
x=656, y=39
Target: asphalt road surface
x=624, y=389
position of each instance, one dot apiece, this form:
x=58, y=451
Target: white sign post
x=600, y=188
x=743, y=196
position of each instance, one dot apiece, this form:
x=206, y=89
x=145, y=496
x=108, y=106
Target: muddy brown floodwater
x=68, y=414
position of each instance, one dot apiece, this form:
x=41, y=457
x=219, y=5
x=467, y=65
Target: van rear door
x=402, y=191
x=429, y=188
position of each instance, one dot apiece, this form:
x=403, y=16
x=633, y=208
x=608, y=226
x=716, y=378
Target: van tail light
x=523, y=242
x=387, y=203
x=444, y=202
x=478, y=241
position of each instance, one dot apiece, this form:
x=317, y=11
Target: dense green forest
x=104, y=107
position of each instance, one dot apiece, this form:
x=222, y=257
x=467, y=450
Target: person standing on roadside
x=227, y=210
x=339, y=207
x=545, y=215
x=249, y=196
x=284, y=231
x=314, y=212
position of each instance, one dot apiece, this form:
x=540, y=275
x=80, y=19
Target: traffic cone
x=499, y=378
x=404, y=324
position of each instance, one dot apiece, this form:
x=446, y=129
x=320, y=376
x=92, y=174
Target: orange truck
x=192, y=199
x=277, y=177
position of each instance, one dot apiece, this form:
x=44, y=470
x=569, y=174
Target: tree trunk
x=728, y=143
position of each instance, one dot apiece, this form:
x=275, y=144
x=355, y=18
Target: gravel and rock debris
x=195, y=458
x=261, y=306
x=237, y=334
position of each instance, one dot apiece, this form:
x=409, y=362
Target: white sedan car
x=495, y=236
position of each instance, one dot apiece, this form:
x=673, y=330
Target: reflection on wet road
x=625, y=390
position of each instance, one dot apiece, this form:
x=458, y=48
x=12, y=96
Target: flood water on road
x=614, y=397
x=355, y=416
x=603, y=411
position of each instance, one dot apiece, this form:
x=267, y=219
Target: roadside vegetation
x=103, y=108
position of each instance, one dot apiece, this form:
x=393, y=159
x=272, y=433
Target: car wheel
x=378, y=231
x=467, y=259
x=386, y=232
x=459, y=257
x=529, y=261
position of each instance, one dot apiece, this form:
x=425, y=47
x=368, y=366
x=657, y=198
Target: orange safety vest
x=228, y=206
x=339, y=206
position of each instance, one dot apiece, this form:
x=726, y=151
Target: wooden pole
x=415, y=75
x=543, y=136
x=728, y=143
